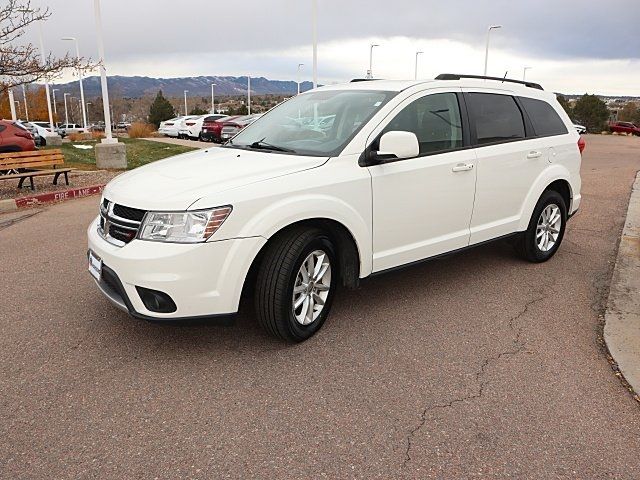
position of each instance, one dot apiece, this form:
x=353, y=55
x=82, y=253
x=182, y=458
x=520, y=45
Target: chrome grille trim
x=110, y=223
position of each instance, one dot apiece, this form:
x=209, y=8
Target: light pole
x=419, y=52
x=17, y=102
x=12, y=106
x=55, y=106
x=524, y=72
x=103, y=77
x=370, y=71
x=314, y=35
x=248, y=95
x=66, y=111
x=46, y=81
x=185, y=102
x=84, y=113
x=213, y=99
x=486, y=52
x=300, y=65
x=26, y=108
x=88, y=103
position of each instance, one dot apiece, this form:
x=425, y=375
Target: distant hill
x=135, y=87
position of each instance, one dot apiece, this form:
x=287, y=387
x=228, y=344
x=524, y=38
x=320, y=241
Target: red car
x=15, y=138
x=624, y=127
x=212, y=129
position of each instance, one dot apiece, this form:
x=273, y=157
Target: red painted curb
x=58, y=196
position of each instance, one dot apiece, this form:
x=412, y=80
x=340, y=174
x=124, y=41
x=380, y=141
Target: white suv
x=332, y=186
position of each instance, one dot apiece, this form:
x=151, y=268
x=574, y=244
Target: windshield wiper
x=262, y=145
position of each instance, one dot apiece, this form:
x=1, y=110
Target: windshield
x=316, y=123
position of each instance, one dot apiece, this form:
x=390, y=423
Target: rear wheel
x=296, y=283
x=546, y=228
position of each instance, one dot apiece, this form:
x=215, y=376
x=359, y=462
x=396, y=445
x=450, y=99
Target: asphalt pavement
x=473, y=365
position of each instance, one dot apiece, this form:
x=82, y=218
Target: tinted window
x=544, y=118
x=435, y=119
x=497, y=117
x=2, y=128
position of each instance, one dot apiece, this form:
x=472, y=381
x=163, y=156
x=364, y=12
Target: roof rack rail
x=363, y=80
x=455, y=76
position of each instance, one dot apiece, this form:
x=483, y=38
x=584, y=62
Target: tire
x=531, y=243
x=281, y=270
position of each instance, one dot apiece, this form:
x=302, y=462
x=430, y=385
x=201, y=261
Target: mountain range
x=135, y=87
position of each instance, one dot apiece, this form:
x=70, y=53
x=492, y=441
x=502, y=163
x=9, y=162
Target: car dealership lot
x=475, y=364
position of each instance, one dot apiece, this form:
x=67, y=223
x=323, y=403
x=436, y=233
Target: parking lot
x=473, y=365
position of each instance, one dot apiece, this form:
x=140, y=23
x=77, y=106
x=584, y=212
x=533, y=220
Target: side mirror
x=396, y=145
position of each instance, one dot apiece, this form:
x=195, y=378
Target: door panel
x=422, y=206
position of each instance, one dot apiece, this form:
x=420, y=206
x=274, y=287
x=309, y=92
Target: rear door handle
x=534, y=154
x=462, y=167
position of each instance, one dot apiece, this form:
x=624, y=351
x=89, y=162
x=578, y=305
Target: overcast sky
x=572, y=46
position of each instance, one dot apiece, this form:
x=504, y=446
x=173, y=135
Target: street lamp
x=185, y=102
x=73, y=115
x=213, y=99
x=26, y=108
x=66, y=112
x=524, y=72
x=84, y=113
x=17, y=102
x=248, y=94
x=103, y=77
x=419, y=52
x=486, y=52
x=370, y=71
x=46, y=81
x=55, y=106
x=300, y=65
x=314, y=35
x=88, y=103
x=12, y=105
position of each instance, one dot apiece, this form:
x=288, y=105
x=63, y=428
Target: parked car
x=32, y=130
x=69, y=128
x=579, y=128
x=212, y=130
x=624, y=127
x=172, y=127
x=231, y=127
x=287, y=213
x=44, y=131
x=122, y=126
x=15, y=138
x=193, y=127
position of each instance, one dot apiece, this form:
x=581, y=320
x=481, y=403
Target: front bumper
x=203, y=279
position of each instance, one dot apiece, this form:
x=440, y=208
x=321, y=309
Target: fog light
x=156, y=301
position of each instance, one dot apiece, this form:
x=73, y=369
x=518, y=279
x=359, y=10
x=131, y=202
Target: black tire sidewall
x=531, y=247
x=297, y=331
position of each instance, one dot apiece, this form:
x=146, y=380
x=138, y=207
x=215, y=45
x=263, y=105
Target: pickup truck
x=624, y=127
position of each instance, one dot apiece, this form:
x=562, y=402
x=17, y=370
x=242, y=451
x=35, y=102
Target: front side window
x=318, y=123
x=497, y=118
x=436, y=121
x=545, y=119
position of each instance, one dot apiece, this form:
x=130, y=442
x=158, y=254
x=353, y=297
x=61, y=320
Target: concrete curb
x=14, y=204
x=622, y=317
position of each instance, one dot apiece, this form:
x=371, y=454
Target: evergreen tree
x=160, y=110
x=591, y=112
x=565, y=104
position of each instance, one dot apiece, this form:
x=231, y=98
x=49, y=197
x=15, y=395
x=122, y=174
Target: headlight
x=183, y=227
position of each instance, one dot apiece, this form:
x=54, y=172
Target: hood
x=177, y=182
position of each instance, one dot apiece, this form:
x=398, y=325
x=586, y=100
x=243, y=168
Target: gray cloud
x=551, y=29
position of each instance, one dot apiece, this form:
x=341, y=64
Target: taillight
x=23, y=134
x=581, y=144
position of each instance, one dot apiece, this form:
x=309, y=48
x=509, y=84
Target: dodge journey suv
x=332, y=186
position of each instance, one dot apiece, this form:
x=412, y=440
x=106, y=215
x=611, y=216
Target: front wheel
x=546, y=228
x=296, y=283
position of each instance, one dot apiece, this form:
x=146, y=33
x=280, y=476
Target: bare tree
x=19, y=63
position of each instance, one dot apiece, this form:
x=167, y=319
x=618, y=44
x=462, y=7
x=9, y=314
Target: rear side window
x=435, y=119
x=497, y=118
x=545, y=119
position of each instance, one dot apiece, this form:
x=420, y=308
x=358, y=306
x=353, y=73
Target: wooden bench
x=23, y=165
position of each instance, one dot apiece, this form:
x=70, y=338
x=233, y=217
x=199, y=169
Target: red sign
x=58, y=196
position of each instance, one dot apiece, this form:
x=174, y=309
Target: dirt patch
x=44, y=184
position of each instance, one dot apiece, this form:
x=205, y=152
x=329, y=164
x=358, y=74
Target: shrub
x=140, y=130
x=97, y=135
x=77, y=137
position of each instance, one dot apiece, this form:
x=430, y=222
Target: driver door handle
x=462, y=167
x=534, y=154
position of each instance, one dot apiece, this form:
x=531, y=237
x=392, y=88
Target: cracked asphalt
x=474, y=365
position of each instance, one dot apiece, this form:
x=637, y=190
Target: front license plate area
x=95, y=265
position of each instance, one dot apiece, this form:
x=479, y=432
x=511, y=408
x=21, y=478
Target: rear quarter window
x=546, y=121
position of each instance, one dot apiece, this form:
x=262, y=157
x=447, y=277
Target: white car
x=44, y=131
x=408, y=170
x=192, y=127
x=170, y=127
x=69, y=128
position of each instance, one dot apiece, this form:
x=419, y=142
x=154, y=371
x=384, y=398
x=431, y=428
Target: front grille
x=119, y=224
